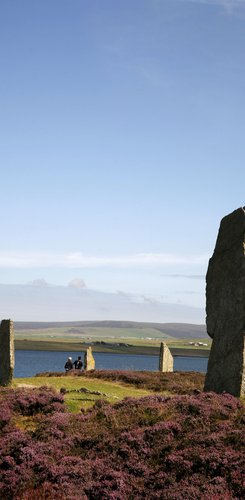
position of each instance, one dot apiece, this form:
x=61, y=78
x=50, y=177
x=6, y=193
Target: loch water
x=28, y=363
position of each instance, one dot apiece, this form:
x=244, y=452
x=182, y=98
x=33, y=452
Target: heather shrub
x=43, y=400
x=5, y=414
x=29, y=402
x=186, y=446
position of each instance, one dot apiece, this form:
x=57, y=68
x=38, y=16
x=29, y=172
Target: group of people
x=78, y=364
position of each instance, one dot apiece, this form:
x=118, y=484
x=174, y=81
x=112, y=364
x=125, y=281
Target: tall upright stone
x=6, y=351
x=166, y=361
x=225, y=307
x=89, y=361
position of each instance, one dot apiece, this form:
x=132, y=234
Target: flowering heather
x=180, y=447
x=28, y=402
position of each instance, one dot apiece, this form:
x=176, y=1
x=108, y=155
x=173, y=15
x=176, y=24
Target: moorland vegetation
x=172, y=382
x=177, y=446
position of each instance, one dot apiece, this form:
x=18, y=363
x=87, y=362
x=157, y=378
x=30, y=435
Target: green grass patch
x=137, y=339
x=111, y=391
x=136, y=347
x=90, y=333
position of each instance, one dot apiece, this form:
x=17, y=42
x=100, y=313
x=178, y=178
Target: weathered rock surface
x=89, y=361
x=6, y=351
x=166, y=361
x=225, y=307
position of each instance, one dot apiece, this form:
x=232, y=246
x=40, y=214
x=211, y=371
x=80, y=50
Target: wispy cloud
x=39, y=283
x=230, y=6
x=188, y=276
x=78, y=260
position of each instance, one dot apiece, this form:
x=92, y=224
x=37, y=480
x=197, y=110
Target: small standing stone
x=6, y=351
x=225, y=308
x=89, y=361
x=166, y=361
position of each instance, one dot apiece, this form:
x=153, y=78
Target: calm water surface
x=28, y=363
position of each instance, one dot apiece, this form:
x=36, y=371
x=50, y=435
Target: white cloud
x=62, y=303
x=76, y=260
x=39, y=282
x=77, y=283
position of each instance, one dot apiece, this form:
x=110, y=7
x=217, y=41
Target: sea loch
x=28, y=363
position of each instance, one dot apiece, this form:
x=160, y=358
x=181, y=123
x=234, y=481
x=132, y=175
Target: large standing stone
x=89, y=361
x=6, y=351
x=166, y=362
x=225, y=307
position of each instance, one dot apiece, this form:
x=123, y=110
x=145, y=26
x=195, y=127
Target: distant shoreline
x=28, y=345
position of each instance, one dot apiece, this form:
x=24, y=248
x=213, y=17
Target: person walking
x=78, y=364
x=69, y=364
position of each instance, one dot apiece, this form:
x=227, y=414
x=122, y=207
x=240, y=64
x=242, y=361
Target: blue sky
x=122, y=141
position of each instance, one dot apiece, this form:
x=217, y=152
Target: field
x=116, y=337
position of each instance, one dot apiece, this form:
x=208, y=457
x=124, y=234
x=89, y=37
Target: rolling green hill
x=111, y=336
x=117, y=328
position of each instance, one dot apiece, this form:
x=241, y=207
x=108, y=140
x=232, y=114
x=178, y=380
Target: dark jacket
x=78, y=364
x=68, y=365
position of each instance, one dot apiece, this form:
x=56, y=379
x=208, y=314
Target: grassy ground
x=135, y=346
x=90, y=333
x=83, y=389
x=111, y=391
